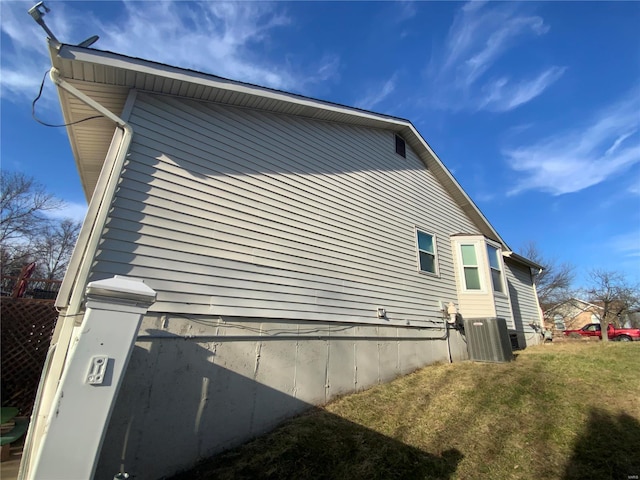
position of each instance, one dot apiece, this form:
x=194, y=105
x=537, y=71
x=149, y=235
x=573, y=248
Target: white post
x=91, y=378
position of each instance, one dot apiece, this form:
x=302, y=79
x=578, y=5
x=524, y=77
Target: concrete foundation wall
x=196, y=386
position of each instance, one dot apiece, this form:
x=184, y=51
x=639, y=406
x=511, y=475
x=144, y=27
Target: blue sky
x=534, y=107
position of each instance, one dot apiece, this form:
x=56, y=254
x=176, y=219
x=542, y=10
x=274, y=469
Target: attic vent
x=401, y=148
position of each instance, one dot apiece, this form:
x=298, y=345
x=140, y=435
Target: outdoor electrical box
x=488, y=339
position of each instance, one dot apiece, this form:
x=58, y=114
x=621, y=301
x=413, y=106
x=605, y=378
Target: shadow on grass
x=320, y=445
x=607, y=449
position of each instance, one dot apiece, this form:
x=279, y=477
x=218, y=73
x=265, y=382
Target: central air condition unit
x=488, y=339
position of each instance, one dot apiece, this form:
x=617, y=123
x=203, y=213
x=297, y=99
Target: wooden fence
x=26, y=329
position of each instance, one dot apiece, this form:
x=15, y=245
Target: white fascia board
x=114, y=60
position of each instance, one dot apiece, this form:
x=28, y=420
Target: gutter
x=524, y=261
x=72, y=291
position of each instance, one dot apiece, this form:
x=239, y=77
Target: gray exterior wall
x=503, y=308
x=524, y=303
x=230, y=211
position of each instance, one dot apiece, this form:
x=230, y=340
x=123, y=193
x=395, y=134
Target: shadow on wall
x=178, y=405
x=517, y=314
x=607, y=449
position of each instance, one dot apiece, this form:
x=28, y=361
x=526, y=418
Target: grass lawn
x=547, y=415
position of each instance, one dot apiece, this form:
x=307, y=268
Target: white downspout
x=103, y=207
x=74, y=287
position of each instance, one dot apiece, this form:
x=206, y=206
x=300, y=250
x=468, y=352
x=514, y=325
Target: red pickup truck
x=613, y=333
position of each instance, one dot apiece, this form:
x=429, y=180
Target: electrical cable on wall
x=33, y=110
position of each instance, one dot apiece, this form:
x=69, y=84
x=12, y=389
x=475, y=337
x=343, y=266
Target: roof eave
x=74, y=62
x=523, y=260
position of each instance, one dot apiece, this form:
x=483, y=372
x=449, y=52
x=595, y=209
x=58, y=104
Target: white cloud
x=501, y=96
x=74, y=211
x=628, y=244
x=211, y=36
x=575, y=160
x=378, y=94
x=478, y=38
x=226, y=39
x=406, y=9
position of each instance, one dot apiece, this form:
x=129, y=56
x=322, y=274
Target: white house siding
x=234, y=212
x=198, y=385
x=524, y=303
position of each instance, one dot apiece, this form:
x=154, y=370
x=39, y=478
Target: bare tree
x=23, y=202
x=554, y=283
x=14, y=256
x=27, y=234
x=617, y=297
x=54, y=246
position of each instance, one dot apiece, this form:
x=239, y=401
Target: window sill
x=474, y=292
x=429, y=274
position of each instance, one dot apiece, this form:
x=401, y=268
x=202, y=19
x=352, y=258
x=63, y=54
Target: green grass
x=563, y=411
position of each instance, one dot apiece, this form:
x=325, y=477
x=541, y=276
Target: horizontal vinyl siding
x=503, y=309
x=231, y=211
x=523, y=298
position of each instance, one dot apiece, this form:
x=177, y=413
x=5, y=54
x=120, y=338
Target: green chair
x=20, y=426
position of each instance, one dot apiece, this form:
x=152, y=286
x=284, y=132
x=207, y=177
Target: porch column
x=91, y=378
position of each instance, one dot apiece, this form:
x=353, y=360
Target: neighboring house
x=300, y=250
x=571, y=314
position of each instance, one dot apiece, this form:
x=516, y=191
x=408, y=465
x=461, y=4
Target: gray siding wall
x=234, y=212
x=503, y=309
x=524, y=302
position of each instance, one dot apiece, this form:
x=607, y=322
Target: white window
x=470, y=267
x=496, y=268
x=426, y=252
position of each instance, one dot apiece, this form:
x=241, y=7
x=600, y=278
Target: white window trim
x=480, y=246
x=498, y=248
x=435, y=251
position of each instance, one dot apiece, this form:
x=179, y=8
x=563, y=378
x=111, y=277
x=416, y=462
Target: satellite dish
x=89, y=41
